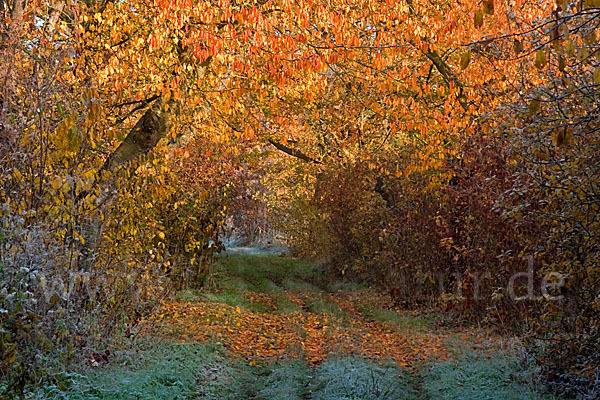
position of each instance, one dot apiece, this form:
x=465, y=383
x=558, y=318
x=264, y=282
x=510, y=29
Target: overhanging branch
x=448, y=75
x=293, y=152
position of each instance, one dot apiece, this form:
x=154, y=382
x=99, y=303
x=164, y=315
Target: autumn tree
x=554, y=136
x=414, y=137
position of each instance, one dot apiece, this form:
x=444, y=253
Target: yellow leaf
x=570, y=48
x=478, y=19
x=562, y=137
x=562, y=64
x=17, y=174
x=465, y=59
x=56, y=183
x=534, y=106
x=592, y=3
x=540, y=59
x=517, y=46
x=557, y=137
x=568, y=136
x=488, y=6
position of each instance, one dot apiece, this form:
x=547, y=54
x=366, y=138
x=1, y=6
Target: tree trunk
x=141, y=139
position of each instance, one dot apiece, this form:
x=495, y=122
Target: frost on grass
x=355, y=378
x=166, y=373
x=481, y=377
x=286, y=381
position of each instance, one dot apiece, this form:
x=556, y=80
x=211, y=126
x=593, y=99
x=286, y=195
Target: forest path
x=309, y=336
x=276, y=328
x=268, y=306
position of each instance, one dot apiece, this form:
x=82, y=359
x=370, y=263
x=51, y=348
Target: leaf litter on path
x=260, y=336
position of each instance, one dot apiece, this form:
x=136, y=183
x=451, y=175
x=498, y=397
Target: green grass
x=321, y=304
x=482, y=377
x=191, y=371
x=172, y=371
x=235, y=275
x=298, y=285
x=237, y=283
x=188, y=296
x=253, y=269
x=237, y=299
x=266, y=285
x=394, y=320
x=285, y=305
x=355, y=378
x=284, y=380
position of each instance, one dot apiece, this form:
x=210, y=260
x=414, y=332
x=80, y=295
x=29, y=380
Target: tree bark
x=141, y=139
x=293, y=152
x=10, y=37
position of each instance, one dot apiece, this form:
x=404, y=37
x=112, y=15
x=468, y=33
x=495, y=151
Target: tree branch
x=293, y=152
x=448, y=75
x=142, y=138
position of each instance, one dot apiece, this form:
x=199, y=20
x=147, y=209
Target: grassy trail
x=276, y=329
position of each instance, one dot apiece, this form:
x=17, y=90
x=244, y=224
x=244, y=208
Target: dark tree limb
x=142, y=138
x=141, y=105
x=448, y=75
x=293, y=152
x=142, y=101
